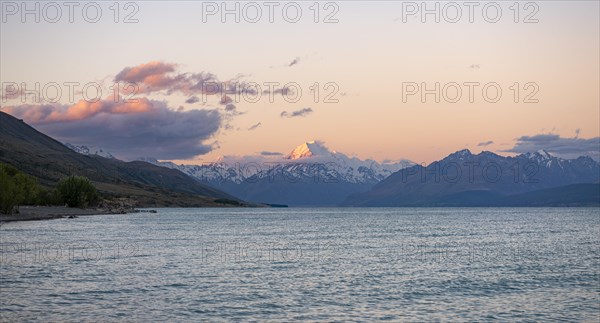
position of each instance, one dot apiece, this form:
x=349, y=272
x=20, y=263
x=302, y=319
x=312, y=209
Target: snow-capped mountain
x=541, y=156
x=466, y=179
x=309, y=149
x=308, y=159
x=310, y=174
x=85, y=150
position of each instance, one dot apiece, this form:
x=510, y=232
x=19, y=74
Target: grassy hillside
x=47, y=159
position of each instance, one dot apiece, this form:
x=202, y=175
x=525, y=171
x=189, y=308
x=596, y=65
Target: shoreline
x=37, y=213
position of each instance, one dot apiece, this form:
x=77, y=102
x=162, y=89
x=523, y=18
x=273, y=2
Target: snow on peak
x=461, y=154
x=544, y=154
x=464, y=152
x=302, y=162
x=150, y=160
x=539, y=156
x=309, y=149
x=89, y=150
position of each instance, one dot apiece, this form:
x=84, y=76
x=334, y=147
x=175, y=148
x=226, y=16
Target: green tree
x=8, y=192
x=16, y=188
x=48, y=197
x=77, y=191
x=28, y=188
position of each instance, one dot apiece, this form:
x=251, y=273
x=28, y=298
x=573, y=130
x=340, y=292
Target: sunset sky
x=363, y=64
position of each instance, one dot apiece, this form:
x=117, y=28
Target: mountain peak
x=540, y=155
x=488, y=153
x=89, y=150
x=461, y=153
x=544, y=153
x=150, y=160
x=309, y=149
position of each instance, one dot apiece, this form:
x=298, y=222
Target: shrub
x=77, y=191
x=227, y=201
x=48, y=197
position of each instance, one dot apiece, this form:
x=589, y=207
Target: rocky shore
x=34, y=213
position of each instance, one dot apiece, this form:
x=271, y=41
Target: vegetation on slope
x=147, y=185
x=17, y=188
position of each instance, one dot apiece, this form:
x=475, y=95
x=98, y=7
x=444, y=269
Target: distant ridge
x=487, y=179
x=47, y=159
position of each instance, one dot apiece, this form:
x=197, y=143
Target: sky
x=373, y=79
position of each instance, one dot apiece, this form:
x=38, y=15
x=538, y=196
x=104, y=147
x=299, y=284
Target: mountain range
x=313, y=175
x=310, y=175
x=487, y=179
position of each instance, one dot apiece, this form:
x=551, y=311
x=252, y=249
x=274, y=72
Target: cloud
x=294, y=62
x=252, y=127
x=270, y=153
x=11, y=91
x=203, y=82
x=283, y=91
x=165, y=78
x=225, y=99
x=150, y=72
x=484, y=144
x=231, y=110
x=50, y=113
x=156, y=129
x=299, y=113
x=192, y=100
x=152, y=77
x=557, y=145
x=148, y=128
x=230, y=107
x=159, y=76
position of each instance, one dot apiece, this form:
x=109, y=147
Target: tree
x=77, y=191
x=28, y=188
x=8, y=192
x=16, y=188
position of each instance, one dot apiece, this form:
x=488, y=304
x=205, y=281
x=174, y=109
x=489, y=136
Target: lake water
x=347, y=264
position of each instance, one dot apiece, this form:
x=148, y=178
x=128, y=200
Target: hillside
x=47, y=159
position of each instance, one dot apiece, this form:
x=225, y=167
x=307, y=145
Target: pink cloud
x=159, y=76
x=140, y=126
x=153, y=76
x=48, y=113
x=126, y=129
x=149, y=71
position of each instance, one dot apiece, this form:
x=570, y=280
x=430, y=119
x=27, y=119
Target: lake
x=317, y=264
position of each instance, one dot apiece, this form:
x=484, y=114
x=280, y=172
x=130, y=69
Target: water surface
x=326, y=264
